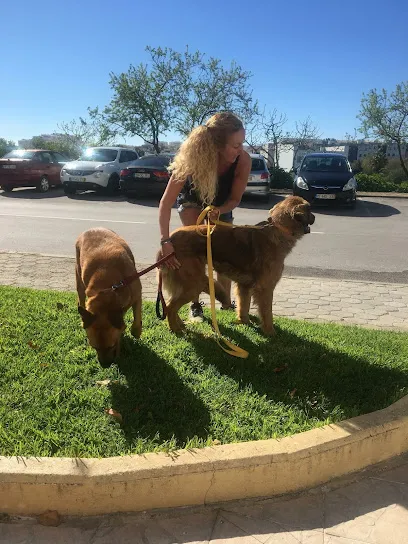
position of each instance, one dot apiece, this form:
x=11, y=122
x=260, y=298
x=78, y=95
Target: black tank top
x=224, y=187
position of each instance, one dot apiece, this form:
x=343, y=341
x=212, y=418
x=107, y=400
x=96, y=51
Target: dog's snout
x=106, y=357
x=311, y=219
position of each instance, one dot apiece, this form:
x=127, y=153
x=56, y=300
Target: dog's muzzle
x=306, y=229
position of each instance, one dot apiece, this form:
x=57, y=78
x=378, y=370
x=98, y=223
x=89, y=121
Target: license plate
x=76, y=178
x=9, y=166
x=326, y=197
x=140, y=175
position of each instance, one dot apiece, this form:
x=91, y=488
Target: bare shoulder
x=244, y=160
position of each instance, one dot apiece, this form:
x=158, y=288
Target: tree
x=200, y=87
x=265, y=128
x=274, y=125
x=141, y=104
x=6, y=146
x=303, y=136
x=173, y=91
x=384, y=115
x=84, y=133
x=379, y=160
x=59, y=144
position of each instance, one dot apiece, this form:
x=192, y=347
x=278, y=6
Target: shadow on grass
x=297, y=371
x=155, y=400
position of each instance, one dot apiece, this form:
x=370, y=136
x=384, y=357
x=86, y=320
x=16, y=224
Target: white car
x=259, y=178
x=97, y=169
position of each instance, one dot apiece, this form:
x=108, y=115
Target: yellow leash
x=231, y=348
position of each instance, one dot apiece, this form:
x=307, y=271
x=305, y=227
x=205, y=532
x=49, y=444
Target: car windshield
x=19, y=154
x=258, y=164
x=325, y=164
x=153, y=160
x=99, y=155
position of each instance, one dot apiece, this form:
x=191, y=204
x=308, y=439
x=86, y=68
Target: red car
x=37, y=168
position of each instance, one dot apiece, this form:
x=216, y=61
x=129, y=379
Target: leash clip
x=117, y=285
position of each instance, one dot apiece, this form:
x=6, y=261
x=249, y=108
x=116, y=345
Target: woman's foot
x=196, y=312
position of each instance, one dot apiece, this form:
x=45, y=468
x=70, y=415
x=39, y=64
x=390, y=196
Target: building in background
x=291, y=152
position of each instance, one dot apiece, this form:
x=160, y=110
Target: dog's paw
x=178, y=327
x=242, y=321
x=269, y=331
x=136, y=330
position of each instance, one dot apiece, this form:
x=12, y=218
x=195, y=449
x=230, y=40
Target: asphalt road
x=369, y=243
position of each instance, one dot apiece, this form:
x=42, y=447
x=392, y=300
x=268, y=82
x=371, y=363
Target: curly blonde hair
x=197, y=158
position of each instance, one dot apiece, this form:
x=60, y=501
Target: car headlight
x=301, y=183
x=350, y=185
x=99, y=173
x=63, y=172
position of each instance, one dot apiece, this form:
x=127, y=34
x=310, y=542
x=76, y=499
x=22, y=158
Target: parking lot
x=366, y=243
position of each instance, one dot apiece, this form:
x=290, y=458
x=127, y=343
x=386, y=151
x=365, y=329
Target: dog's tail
x=170, y=283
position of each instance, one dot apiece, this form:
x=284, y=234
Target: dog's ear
x=116, y=319
x=87, y=317
x=270, y=214
x=301, y=213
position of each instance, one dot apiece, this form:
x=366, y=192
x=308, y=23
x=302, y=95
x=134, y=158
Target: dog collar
x=284, y=230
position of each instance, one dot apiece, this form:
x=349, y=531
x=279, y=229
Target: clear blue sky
x=308, y=57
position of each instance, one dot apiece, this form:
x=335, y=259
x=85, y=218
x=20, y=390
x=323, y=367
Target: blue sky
x=307, y=57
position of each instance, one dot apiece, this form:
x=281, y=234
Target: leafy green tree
x=384, y=115
x=6, y=146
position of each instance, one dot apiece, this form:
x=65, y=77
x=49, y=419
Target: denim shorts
x=226, y=217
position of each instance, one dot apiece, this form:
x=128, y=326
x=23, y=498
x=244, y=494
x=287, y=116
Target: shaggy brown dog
x=104, y=259
x=252, y=256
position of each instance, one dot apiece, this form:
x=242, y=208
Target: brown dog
x=103, y=259
x=252, y=256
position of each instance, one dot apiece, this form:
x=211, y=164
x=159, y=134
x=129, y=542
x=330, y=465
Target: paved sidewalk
x=371, y=508
x=377, y=305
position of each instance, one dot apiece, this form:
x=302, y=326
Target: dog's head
x=104, y=331
x=293, y=213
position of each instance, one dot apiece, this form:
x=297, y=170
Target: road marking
x=316, y=232
x=72, y=218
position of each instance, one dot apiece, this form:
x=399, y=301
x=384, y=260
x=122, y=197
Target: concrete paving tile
x=191, y=529
x=303, y=537
x=359, y=511
x=228, y=533
x=399, y=475
x=261, y=529
x=305, y=512
x=331, y=539
x=11, y=533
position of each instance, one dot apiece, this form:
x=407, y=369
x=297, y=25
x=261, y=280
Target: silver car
x=259, y=177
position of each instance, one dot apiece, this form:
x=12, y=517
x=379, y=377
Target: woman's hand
x=172, y=262
x=214, y=214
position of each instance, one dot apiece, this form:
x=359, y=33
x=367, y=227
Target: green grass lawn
x=180, y=392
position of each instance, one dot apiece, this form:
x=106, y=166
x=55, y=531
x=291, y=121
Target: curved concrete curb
x=209, y=475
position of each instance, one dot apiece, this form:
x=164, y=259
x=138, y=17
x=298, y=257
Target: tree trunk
x=403, y=165
x=276, y=149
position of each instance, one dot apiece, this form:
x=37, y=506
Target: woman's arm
x=166, y=203
x=239, y=184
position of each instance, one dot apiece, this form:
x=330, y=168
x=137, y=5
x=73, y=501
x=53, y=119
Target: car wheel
x=113, y=185
x=69, y=190
x=7, y=189
x=43, y=185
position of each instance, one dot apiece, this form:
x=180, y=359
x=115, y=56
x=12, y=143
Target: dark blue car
x=326, y=177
